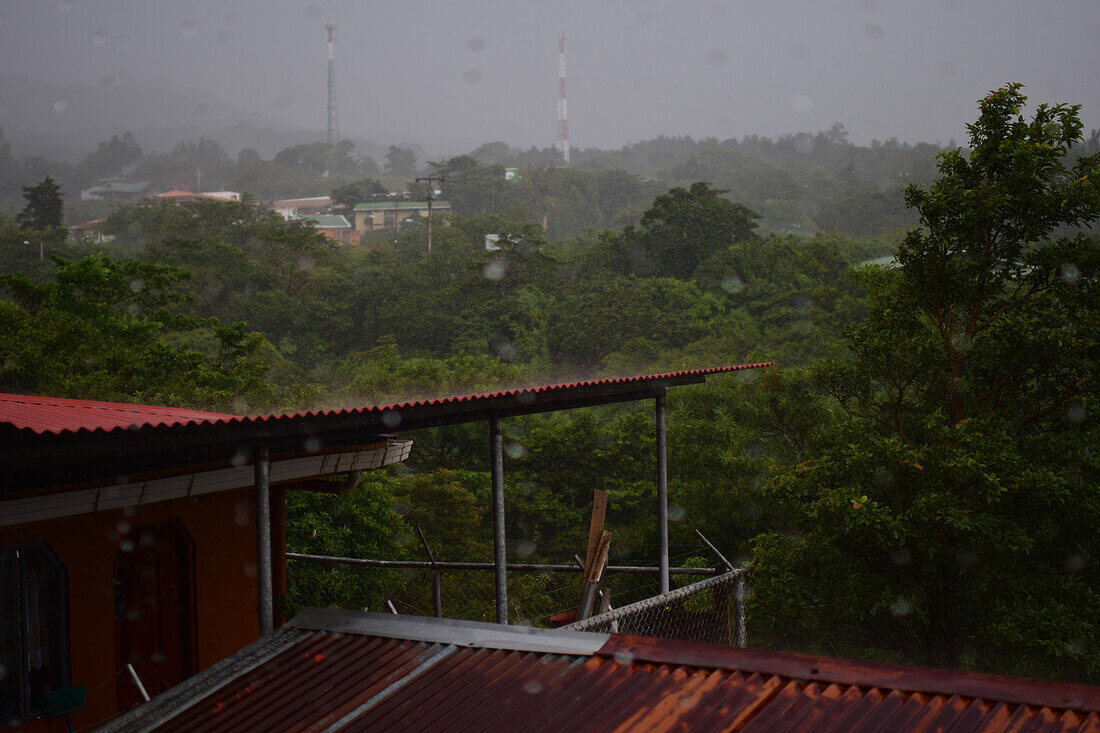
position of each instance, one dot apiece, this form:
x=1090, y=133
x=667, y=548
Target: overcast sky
x=452, y=74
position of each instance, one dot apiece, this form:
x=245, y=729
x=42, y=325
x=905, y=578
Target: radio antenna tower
x=563, y=124
x=333, y=125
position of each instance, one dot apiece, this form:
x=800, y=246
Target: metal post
x=662, y=493
x=262, y=469
x=742, y=633
x=437, y=588
x=496, y=449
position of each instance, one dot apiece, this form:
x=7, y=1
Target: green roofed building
x=391, y=215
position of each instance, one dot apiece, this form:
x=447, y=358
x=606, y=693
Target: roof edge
x=1045, y=693
x=476, y=634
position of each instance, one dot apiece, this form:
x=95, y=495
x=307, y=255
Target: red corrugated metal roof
x=452, y=675
x=56, y=416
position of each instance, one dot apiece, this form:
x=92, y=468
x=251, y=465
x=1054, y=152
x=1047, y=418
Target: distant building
x=115, y=189
x=335, y=227
x=181, y=196
x=310, y=206
x=390, y=215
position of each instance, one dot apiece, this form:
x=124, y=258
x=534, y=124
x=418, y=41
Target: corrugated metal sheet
x=57, y=415
x=51, y=415
x=327, y=680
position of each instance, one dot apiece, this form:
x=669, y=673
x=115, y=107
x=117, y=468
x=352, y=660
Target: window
x=34, y=628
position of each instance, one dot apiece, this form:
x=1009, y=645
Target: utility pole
x=431, y=194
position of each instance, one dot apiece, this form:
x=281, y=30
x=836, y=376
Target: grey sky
x=451, y=75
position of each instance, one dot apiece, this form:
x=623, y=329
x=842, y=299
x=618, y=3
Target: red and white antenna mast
x=563, y=124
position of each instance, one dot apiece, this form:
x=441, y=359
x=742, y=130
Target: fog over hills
x=66, y=122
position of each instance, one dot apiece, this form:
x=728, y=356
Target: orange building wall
x=222, y=527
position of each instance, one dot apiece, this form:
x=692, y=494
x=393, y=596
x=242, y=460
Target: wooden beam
x=595, y=527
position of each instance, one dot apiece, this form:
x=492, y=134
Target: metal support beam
x=261, y=473
x=662, y=493
x=500, y=559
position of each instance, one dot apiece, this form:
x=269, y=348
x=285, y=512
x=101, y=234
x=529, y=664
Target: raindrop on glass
x=675, y=512
x=189, y=28
x=391, y=418
x=623, y=656
x=873, y=32
x=716, y=57
x=1076, y=413
x=525, y=548
x=515, y=451
x=803, y=143
x=99, y=38
x=1070, y=273
x=901, y=607
x=533, y=686
x=472, y=76
x=798, y=52
x=945, y=69
x=313, y=12
x=1075, y=561
x=505, y=351
x=801, y=103
x=494, y=270
x=223, y=37
x=475, y=45
x=732, y=284
x=60, y=105
x=311, y=444
x=901, y=556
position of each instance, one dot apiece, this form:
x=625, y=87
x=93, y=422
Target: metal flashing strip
x=363, y=709
x=118, y=496
x=475, y=634
x=169, y=704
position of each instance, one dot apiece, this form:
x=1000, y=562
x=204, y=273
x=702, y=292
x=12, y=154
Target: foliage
x=950, y=517
x=104, y=330
x=44, y=209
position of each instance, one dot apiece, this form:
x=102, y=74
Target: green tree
x=106, y=330
x=681, y=230
x=950, y=518
x=400, y=162
x=44, y=209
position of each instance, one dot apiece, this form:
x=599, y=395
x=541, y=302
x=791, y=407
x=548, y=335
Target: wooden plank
x=595, y=527
x=593, y=577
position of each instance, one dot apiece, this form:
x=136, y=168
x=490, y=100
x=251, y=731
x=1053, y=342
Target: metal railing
x=538, y=594
x=712, y=610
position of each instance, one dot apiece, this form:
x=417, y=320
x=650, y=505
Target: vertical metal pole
x=262, y=469
x=662, y=493
x=742, y=632
x=500, y=560
x=437, y=595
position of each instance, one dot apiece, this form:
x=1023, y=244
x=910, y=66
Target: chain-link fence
x=711, y=610
x=538, y=595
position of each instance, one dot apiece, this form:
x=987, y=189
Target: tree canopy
x=950, y=516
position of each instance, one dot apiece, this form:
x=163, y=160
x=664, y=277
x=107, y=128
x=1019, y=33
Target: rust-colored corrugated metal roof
x=51, y=415
x=57, y=415
x=346, y=671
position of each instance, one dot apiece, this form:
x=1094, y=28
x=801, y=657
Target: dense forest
x=916, y=480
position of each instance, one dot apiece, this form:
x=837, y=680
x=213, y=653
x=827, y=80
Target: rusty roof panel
x=351, y=680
